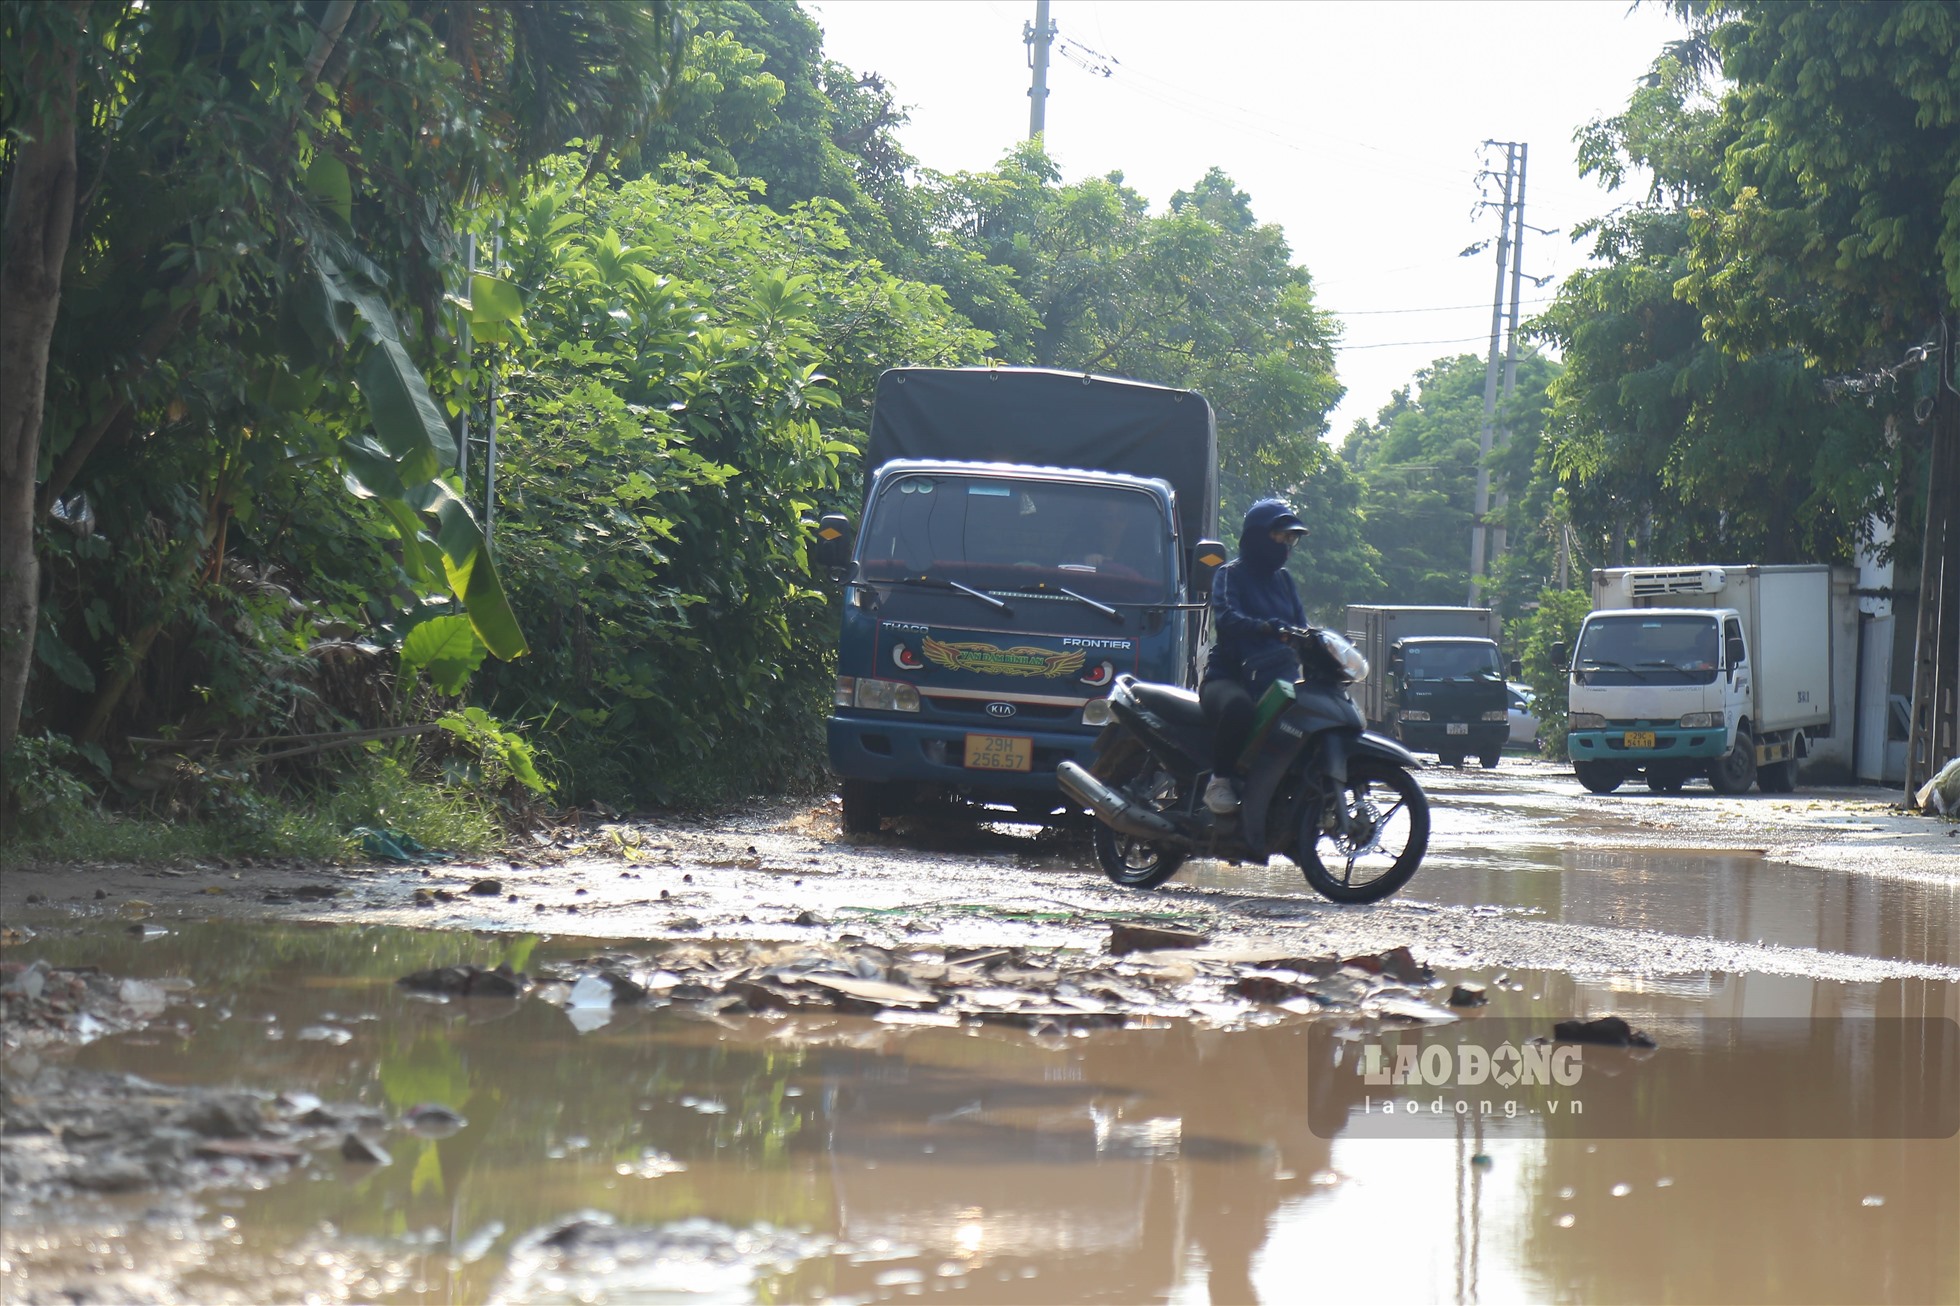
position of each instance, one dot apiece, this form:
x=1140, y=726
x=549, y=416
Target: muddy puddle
x=664, y=1155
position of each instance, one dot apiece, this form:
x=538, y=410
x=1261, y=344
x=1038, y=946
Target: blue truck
x=1027, y=536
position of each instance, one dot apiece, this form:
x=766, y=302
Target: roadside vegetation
x=249, y=607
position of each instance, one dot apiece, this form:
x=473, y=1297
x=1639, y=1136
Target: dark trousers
x=1228, y=706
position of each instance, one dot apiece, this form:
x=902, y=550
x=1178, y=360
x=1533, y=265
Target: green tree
x=265, y=198
x=1417, y=463
x=693, y=386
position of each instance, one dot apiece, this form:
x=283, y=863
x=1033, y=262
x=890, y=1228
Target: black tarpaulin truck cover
x=1046, y=418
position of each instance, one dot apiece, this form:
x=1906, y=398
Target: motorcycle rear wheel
x=1140, y=863
x=1135, y=863
x=1394, y=814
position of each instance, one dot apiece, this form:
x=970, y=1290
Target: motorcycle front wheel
x=1388, y=832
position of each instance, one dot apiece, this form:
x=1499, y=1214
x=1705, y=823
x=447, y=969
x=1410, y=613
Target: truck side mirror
x=1517, y=669
x=1736, y=654
x=1206, y=558
x=834, y=541
x=1559, y=650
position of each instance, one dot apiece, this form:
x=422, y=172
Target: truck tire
x=1736, y=772
x=1599, y=777
x=1489, y=760
x=1449, y=759
x=1778, y=777
x=864, y=806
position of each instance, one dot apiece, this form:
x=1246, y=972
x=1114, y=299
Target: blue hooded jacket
x=1248, y=596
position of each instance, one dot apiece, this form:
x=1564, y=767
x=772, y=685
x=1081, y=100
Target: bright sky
x=1356, y=126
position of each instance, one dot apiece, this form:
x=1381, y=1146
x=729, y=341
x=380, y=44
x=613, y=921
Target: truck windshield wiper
x=1103, y=608
x=1607, y=664
x=940, y=582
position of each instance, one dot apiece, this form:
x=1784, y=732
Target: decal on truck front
x=993, y=660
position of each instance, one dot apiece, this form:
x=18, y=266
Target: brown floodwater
x=843, y=1159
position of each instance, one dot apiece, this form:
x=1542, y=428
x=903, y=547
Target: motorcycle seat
x=1179, y=708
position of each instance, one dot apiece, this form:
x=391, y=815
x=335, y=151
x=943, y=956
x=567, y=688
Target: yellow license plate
x=999, y=752
x=1638, y=739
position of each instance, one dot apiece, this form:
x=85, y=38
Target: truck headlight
x=885, y=695
x=1095, y=712
x=1414, y=714
x=1585, y=721
x=1497, y=716
x=1700, y=720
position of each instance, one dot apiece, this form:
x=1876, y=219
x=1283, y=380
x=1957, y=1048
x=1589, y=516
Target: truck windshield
x=1003, y=535
x=1450, y=661
x=1642, y=649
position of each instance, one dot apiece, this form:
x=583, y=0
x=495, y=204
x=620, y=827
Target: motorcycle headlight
x=887, y=695
x=1700, y=720
x=1585, y=721
x=1353, y=666
x=1095, y=712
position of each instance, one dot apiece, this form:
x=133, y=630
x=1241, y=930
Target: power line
x=1398, y=344
x=1440, y=308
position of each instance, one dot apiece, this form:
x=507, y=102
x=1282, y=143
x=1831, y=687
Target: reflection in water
x=842, y=1159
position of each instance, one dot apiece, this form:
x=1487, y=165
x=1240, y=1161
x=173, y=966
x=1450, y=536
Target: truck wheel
x=1449, y=759
x=864, y=806
x=1599, y=777
x=1489, y=760
x=1736, y=772
x=1778, y=777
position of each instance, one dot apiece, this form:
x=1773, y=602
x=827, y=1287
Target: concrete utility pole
x=1498, y=533
x=1038, y=36
x=1482, y=506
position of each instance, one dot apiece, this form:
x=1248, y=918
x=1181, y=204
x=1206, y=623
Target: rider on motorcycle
x=1251, y=598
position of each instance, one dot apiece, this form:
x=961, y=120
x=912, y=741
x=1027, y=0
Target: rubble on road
x=1058, y=989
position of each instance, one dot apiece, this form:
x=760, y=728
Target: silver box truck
x=1717, y=671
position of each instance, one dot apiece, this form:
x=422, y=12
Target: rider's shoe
x=1222, y=795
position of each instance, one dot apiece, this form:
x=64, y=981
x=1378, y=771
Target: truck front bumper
x=1477, y=739
x=1671, y=743
x=889, y=748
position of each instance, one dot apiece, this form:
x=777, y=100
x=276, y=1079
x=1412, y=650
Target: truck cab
x=988, y=609
x=1656, y=689
x=1448, y=696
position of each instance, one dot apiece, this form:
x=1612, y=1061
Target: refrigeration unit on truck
x=1722, y=672
x=1442, y=688
x=1028, y=535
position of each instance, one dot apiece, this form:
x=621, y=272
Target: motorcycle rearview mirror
x=834, y=539
x=1558, y=654
x=1207, y=556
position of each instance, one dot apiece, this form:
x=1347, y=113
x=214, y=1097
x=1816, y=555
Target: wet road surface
x=799, y=1157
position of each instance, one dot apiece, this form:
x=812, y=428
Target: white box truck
x=1724, y=672
x=1439, y=685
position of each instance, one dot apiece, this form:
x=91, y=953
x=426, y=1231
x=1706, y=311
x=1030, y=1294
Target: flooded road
x=673, y=1153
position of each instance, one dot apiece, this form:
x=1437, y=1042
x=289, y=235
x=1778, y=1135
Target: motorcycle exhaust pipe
x=1111, y=808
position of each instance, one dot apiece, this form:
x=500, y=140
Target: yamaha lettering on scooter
x=1320, y=788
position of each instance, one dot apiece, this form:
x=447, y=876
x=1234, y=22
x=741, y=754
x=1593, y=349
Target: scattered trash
x=1468, y=994
x=434, y=1120
x=487, y=888
x=468, y=981
x=1125, y=939
x=1941, y=794
x=1610, y=1031
x=394, y=846
x=358, y=1149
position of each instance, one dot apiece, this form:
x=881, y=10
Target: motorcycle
x=1320, y=788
